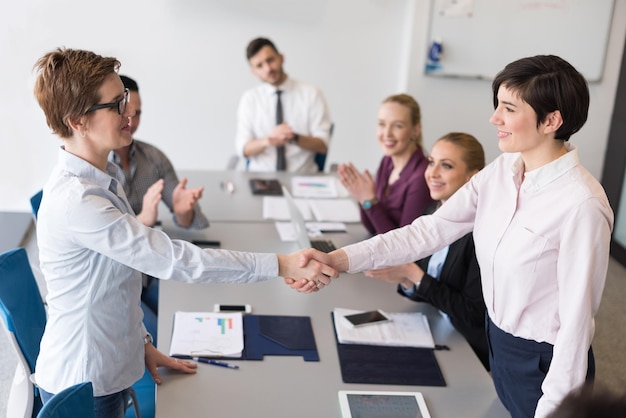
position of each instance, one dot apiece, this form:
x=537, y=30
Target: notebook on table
x=388, y=365
x=302, y=237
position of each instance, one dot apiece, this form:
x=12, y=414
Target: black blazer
x=458, y=293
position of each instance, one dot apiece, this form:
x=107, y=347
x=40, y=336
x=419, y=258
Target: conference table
x=227, y=195
x=288, y=386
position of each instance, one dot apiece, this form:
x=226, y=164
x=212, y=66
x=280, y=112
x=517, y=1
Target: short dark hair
x=548, y=83
x=257, y=44
x=588, y=402
x=129, y=83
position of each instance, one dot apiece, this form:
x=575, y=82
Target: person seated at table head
x=148, y=177
x=282, y=123
x=92, y=248
x=542, y=228
x=449, y=279
x=399, y=194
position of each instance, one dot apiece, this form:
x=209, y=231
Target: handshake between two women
x=309, y=270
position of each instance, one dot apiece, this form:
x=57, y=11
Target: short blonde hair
x=67, y=84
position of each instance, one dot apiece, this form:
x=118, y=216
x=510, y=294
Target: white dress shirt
x=304, y=110
x=542, y=243
x=92, y=251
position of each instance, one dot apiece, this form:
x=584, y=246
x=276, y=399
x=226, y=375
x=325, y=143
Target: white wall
x=188, y=57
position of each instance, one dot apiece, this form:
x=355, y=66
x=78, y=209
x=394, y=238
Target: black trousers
x=518, y=367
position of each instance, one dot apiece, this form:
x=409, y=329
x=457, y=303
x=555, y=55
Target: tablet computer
x=379, y=404
x=266, y=187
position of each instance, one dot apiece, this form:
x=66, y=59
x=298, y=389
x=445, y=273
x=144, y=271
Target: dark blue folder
x=278, y=335
x=384, y=365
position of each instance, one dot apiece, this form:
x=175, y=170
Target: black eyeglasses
x=119, y=104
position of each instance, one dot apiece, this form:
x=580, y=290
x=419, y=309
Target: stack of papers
x=318, y=186
x=207, y=334
x=335, y=210
x=404, y=330
x=323, y=210
x=314, y=186
x=276, y=208
x=287, y=231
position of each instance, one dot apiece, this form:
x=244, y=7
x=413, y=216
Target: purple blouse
x=403, y=201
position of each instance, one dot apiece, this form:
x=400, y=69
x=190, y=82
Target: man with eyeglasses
x=283, y=123
x=148, y=178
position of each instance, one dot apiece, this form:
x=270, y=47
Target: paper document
x=335, y=210
x=207, y=334
x=287, y=232
x=314, y=186
x=276, y=208
x=404, y=330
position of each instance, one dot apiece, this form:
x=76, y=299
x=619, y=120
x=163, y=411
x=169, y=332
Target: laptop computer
x=299, y=227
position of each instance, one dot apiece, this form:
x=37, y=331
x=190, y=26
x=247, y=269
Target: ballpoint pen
x=215, y=362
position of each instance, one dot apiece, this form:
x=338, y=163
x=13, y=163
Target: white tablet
x=378, y=404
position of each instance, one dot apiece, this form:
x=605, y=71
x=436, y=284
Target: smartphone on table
x=223, y=308
x=367, y=318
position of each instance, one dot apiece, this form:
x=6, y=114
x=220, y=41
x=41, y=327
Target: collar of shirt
x=81, y=168
x=546, y=174
x=114, y=158
x=286, y=86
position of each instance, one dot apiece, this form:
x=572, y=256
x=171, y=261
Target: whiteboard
x=479, y=37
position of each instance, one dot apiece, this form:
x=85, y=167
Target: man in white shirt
x=282, y=123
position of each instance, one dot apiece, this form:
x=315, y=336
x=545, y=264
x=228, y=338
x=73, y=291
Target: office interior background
x=189, y=59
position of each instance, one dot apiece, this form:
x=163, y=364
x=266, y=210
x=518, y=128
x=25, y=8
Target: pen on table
x=215, y=362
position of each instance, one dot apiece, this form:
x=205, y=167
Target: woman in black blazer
x=449, y=279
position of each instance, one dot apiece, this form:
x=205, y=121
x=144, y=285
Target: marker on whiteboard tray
x=434, y=55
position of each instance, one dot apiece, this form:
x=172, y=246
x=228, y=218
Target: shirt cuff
x=266, y=265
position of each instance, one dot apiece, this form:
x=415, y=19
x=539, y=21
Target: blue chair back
x=35, y=201
x=20, y=303
x=144, y=399
x=75, y=401
x=23, y=313
x=320, y=159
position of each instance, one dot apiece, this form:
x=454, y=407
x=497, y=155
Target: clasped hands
x=281, y=135
x=310, y=270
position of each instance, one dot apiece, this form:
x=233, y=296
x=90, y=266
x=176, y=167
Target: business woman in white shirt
x=542, y=227
x=92, y=248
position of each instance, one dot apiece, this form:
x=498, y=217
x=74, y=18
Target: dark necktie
x=281, y=163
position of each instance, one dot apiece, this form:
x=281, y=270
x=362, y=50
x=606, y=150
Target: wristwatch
x=148, y=339
x=367, y=204
x=295, y=138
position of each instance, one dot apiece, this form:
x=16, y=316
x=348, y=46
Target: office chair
x=142, y=398
x=35, y=201
x=320, y=159
x=24, y=318
x=75, y=401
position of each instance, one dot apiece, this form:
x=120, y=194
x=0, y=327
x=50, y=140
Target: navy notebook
x=278, y=335
x=385, y=365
